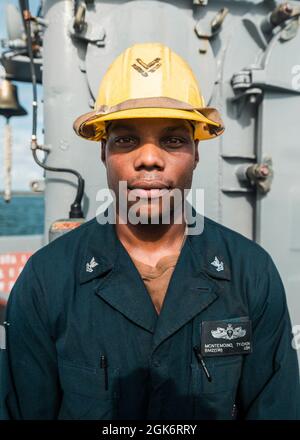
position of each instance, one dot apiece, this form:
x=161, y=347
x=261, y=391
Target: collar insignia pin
x=219, y=265
x=91, y=265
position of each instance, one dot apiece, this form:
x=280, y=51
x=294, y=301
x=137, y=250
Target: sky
x=24, y=169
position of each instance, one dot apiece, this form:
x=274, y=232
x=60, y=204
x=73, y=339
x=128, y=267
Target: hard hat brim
x=91, y=125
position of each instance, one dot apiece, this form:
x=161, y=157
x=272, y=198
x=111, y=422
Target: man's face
x=154, y=156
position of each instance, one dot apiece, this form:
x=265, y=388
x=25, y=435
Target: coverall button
x=156, y=363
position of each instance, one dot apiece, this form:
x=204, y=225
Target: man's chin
x=149, y=214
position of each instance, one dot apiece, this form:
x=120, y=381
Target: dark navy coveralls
x=81, y=297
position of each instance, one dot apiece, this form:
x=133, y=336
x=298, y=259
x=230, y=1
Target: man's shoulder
x=67, y=249
x=244, y=262
x=229, y=235
x=235, y=245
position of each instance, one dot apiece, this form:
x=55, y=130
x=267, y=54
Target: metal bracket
x=86, y=30
x=257, y=77
x=37, y=186
x=92, y=33
x=285, y=19
x=211, y=29
x=259, y=175
x=255, y=80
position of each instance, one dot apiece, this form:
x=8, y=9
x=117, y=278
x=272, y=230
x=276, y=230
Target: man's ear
x=196, y=153
x=103, y=152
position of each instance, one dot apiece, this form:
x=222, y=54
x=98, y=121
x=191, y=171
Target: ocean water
x=23, y=215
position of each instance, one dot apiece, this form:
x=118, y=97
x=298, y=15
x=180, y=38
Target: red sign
x=11, y=265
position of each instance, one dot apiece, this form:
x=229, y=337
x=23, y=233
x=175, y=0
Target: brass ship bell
x=9, y=102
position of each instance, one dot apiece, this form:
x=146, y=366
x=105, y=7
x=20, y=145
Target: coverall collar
x=194, y=285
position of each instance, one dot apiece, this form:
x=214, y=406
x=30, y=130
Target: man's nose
x=149, y=155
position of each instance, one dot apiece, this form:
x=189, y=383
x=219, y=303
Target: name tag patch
x=232, y=336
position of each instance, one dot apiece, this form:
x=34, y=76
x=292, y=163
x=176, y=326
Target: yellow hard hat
x=149, y=81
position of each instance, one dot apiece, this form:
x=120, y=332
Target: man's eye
x=173, y=141
x=125, y=141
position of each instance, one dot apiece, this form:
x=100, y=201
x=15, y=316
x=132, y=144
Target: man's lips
x=146, y=190
x=152, y=193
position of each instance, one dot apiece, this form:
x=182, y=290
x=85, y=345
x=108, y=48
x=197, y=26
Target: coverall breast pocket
x=86, y=396
x=215, y=399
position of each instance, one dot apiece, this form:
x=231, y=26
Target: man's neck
x=150, y=242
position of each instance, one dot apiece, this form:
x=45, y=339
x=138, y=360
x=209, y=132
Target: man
x=148, y=320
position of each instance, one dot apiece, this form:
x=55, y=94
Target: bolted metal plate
x=150, y=21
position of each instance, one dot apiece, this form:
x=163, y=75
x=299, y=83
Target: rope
x=7, y=161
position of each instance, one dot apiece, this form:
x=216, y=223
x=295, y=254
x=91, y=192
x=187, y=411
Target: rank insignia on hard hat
x=147, y=68
x=149, y=81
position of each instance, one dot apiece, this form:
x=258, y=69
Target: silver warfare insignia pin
x=91, y=265
x=219, y=265
x=229, y=332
